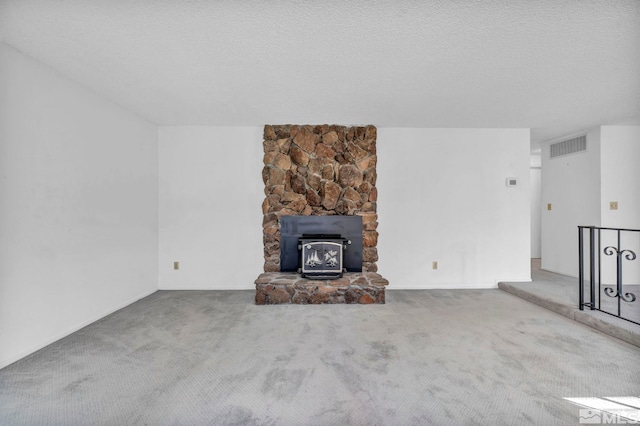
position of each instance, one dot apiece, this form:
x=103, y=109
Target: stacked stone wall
x=274, y=288
x=319, y=170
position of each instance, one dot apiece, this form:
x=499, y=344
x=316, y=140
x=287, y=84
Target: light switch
x=549, y=206
x=613, y=205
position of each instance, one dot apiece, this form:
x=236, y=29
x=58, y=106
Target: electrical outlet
x=613, y=205
x=176, y=265
x=434, y=264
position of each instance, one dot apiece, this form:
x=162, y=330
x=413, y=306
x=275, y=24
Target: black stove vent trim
x=292, y=228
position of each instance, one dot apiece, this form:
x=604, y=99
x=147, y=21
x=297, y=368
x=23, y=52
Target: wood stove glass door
x=321, y=257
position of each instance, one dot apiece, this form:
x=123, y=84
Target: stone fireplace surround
x=319, y=170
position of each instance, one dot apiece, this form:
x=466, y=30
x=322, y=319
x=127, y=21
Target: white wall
x=620, y=180
x=462, y=212
x=580, y=187
x=535, y=179
x=620, y=156
x=78, y=206
x=443, y=197
x=571, y=184
x=211, y=194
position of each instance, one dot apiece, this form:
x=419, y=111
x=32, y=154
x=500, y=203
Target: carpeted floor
x=559, y=293
x=426, y=357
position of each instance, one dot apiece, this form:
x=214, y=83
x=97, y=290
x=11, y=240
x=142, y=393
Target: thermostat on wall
x=512, y=181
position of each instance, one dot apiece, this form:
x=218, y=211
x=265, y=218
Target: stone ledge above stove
x=288, y=287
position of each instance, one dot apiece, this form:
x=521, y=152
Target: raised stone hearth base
x=288, y=287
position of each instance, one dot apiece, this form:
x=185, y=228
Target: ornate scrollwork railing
x=627, y=297
x=618, y=291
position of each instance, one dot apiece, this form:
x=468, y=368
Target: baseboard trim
x=197, y=288
x=393, y=287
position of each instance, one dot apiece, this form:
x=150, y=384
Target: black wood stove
x=321, y=247
x=321, y=255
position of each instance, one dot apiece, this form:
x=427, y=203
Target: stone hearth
x=319, y=171
x=288, y=287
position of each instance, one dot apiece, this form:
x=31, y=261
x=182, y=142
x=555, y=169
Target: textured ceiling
x=554, y=66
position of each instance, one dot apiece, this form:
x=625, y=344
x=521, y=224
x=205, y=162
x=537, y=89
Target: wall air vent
x=570, y=146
